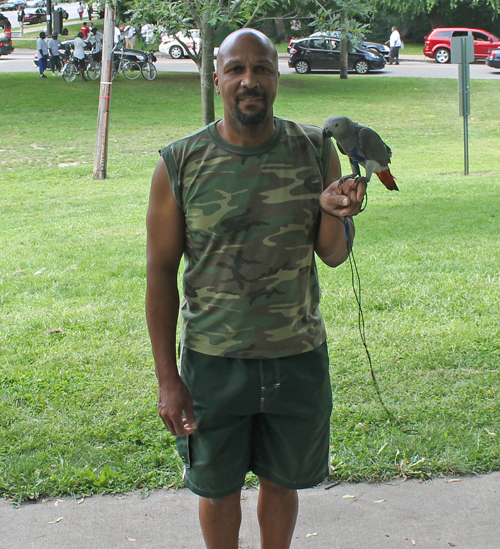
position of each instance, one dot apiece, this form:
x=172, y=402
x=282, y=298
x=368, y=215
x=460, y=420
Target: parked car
x=438, y=42
x=6, y=47
x=34, y=15
x=172, y=47
x=374, y=46
x=38, y=15
x=35, y=3
x=3, y=20
x=324, y=54
x=12, y=5
x=493, y=59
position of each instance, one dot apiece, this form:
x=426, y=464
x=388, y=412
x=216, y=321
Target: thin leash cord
x=356, y=286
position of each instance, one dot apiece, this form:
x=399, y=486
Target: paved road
x=439, y=514
x=22, y=61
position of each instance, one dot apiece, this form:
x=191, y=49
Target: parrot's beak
x=326, y=132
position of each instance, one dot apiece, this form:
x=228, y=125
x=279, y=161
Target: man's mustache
x=249, y=94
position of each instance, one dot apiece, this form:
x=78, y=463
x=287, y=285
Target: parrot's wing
x=371, y=146
x=340, y=148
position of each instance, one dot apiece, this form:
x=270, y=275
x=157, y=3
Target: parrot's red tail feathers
x=388, y=179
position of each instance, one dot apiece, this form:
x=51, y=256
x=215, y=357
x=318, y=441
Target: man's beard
x=250, y=119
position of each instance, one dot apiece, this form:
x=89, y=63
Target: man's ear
x=216, y=82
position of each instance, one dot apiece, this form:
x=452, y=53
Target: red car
x=36, y=15
x=438, y=42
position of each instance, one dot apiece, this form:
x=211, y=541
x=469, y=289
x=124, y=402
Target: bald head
x=248, y=36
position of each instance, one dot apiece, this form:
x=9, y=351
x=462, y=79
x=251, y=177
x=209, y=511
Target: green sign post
x=462, y=52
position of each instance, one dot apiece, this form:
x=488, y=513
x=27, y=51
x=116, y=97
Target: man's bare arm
x=336, y=201
x=165, y=246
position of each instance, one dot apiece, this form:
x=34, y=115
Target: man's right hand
x=175, y=407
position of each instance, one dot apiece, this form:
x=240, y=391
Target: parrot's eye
x=336, y=125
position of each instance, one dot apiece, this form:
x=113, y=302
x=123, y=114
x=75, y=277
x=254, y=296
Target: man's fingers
x=188, y=410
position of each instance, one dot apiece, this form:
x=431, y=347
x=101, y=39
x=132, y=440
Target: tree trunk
x=101, y=147
x=436, y=18
x=344, y=51
x=206, y=69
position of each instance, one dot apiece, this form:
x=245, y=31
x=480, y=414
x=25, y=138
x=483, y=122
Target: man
x=79, y=54
x=20, y=18
x=55, y=59
x=129, y=32
x=117, y=36
x=241, y=199
x=96, y=41
x=395, y=44
x=43, y=53
x=84, y=30
x=147, y=34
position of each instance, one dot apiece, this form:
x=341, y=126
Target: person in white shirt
x=147, y=33
x=129, y=31
x=55, y=60
x=79, y=54
x=95, y=40
x=395, y=44
x=43, y=54
x=118, y=35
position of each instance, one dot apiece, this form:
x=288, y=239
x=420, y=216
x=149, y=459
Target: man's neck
x=245, y=136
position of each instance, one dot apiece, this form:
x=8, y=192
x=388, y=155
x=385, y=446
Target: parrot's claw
x=344, y=178
x=357, y=178
x=361, y=179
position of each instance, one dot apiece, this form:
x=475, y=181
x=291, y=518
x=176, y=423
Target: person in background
x=95, y=40
x=84, y=30
x=80, y=10
x=146, y=34
x=43, y=53
x=55, y=59
x=20, y=18
x=395, y=44
x=118, y=36
x=129, y=32
x=90, y=11
x=79, y=54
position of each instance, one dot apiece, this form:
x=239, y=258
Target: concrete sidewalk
x=442, y=513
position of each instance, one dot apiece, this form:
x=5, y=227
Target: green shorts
x=270, y=416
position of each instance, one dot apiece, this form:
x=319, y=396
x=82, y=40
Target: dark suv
x=438, y=42
x=324, y=54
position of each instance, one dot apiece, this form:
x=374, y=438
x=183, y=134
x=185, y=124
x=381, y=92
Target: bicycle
x=148, y=68
x=130, y=69
x=70, y=70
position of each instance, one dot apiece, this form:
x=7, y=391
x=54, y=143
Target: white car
x=172, y=47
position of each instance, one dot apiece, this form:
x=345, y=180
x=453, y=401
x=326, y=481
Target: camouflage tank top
x=250, y=282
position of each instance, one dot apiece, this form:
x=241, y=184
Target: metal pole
x=101, y=148
x=466, y=145
x=49, y=18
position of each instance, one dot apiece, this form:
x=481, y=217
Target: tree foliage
x=415, y=7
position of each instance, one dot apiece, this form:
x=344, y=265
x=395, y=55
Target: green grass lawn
x=77, y=388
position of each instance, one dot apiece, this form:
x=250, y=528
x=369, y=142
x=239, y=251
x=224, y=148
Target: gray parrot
x=363, y=146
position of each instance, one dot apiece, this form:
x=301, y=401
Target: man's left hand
x=343, y=197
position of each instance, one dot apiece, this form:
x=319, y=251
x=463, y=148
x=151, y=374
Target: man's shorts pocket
x=183, y=449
